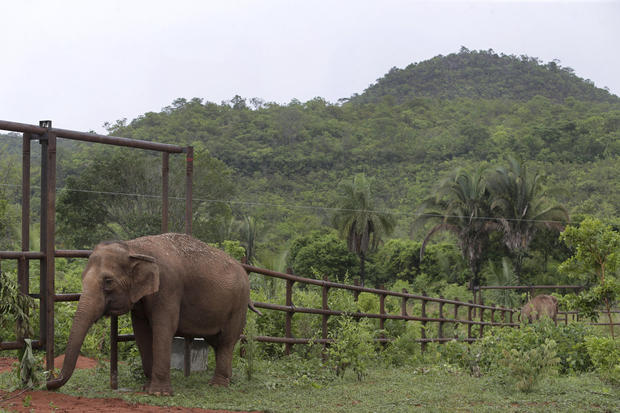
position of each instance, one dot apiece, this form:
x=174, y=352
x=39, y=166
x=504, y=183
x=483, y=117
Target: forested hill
x=486, y=75
x=281, y=163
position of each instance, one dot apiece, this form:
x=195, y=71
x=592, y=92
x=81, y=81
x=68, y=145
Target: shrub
x=605, y=355
x=404, y=349
x=527, y=367
x=352, y=347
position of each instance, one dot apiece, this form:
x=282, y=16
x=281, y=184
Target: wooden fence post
x=456, y=317
x=382, y=312
x=423, y=329
x=289, y=313
x=469, y=310
x=403, y=304
x=481, y=322
x=325, y=317
x=440, y=328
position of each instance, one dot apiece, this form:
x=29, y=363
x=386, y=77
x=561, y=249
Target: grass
x=294, y=386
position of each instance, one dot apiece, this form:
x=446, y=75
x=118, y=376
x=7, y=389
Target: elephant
x=540, y=306
x=174, y=285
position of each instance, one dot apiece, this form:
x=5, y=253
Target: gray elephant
x=174, y=285
x=540, y=306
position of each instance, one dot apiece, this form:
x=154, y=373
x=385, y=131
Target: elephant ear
x=144, y=276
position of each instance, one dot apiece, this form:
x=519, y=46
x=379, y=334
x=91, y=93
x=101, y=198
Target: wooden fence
x=478, y=316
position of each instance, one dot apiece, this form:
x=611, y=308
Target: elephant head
x=114, y=279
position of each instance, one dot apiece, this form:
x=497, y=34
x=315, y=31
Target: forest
x=417, y=154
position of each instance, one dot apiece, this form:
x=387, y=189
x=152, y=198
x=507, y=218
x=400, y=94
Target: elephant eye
x=108, y=283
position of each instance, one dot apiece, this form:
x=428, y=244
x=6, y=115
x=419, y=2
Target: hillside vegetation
x=271, y=171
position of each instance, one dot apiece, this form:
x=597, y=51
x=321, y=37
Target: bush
x=527, y=367
x=524, y=355
x=352, y=347
x=605, y=355
x=404, y=349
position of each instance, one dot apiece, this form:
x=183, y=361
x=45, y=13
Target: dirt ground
x=43, y=401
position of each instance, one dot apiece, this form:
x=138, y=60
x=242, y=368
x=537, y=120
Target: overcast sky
x=82, y=63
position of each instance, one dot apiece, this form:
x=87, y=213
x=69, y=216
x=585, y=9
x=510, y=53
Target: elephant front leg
x=144, y=339
x=161, y=349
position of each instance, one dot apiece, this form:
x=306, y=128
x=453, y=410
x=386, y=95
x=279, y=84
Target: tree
x=322, y=254
x=462, y=207
x=357, y=220
x=520, y=208
x=596, y=259
x=117, y=195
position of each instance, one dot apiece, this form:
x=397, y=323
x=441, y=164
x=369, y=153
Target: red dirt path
x=44, y=401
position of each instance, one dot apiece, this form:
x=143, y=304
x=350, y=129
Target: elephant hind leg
x=223, y=364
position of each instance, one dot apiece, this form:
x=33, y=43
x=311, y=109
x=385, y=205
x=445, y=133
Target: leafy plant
x=14, y=307
x=30, y=369
x=527, y=367
x=250, y=346
x=352, y=347
x=605, y=355
x=597, y=248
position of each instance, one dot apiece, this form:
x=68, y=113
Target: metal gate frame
x=47, y=137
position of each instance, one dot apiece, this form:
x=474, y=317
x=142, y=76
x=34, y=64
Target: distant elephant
x=540, y=306
x=174, y=285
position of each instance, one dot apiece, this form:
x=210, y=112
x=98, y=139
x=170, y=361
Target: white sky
x=84, y=62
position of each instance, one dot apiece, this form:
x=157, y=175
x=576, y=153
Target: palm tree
x=248, y=229
x=520, y=208
x=504, y=276
x=358, y=222
x=461, y=206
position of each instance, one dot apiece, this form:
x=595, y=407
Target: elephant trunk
x=89, y=310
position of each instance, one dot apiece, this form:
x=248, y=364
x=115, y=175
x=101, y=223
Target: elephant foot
x=158, y=389
x=219, y=381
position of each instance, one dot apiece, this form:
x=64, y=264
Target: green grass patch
x=294, y=384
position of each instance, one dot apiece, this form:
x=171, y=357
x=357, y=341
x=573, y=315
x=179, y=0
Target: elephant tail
x=251, y=307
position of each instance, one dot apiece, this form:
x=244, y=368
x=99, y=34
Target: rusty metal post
x=187, y=356
x=114, y=352
x=48, y=228
x=189, y=174
x=289, y=314
x=440, y=328
x=325, y=317
x=165, y=169
x=469, y=318
x=42, y=244
x=23, y=264
x=423, y=329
